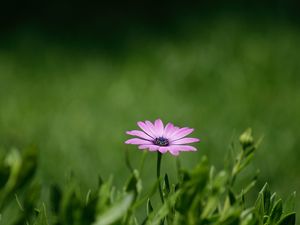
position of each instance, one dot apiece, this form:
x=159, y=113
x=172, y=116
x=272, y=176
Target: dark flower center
x=161, y=141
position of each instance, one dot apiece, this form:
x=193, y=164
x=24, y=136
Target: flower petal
x=163, y=149
x=185, y=141
x=145, y=128
x=137, y=141
x=150, y=147
x=168, y=130
x=159, y=127
x=183, y=148
x=174, y=152
x=181, y=133
x=151, y=128
x=173, y=131
x=140, y=134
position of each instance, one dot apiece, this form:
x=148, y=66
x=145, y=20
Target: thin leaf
x=289, y=205
x=266, y=198
x=289, y=219
x=149, y=207
x=166, y=186
x=116, y=211
x=276, y=212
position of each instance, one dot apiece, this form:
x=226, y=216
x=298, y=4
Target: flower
x=157, y=137
x=246, y=138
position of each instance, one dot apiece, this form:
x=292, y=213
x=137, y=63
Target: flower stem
x=159, y=156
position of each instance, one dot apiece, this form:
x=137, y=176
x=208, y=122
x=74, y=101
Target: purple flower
x=157, y=137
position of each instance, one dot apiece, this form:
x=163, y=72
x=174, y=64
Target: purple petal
x=151, y=128
x=150, y=147
x=173, y=131
x=174, y=152
x=183, y=148
x=163, y=149
x=159, y=127
x=137, y=141
x=185, y=141
x=168, y=130
x=145, y=128
x=181, y=133
x=140, y=134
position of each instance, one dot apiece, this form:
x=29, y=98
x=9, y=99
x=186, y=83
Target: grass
x=201, y=195
x=75, y=101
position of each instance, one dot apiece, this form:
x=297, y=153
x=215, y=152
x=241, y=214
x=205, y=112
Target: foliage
x=200, y=196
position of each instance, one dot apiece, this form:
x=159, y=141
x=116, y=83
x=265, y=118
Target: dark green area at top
x=87, y=21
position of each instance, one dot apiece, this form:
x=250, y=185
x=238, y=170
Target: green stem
x=236, y=168
x=159, y=156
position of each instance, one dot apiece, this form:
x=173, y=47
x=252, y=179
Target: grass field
x=75, y=99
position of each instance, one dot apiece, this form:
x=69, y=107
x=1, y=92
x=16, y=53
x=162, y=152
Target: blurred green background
x=72, y=83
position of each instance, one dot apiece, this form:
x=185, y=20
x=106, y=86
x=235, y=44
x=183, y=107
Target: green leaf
x=276, y=212
x=127, y=161
x=210, y=207
x=28, y=166
x=4, y=173
x=259, y=207
x=149, y=211
x=192, y=184
x=14, y=161
x=55, y=198
x=149, y=207
x=100, y=181
x=21, y=168
x=250, y=185
x=116, y=211
x=157, y=216
x=245, y=162
x=289, y=219
x=220, y=180
x=273, y=200
x=231, y=196
x=266, y=198
x=289, y=205
x=249, y=220
x=104, y=196
x=134, y=184
x=152, y=191
x=70, y=208
x=166, y=186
